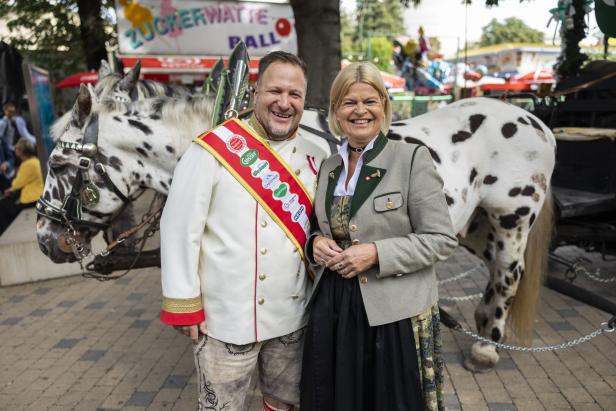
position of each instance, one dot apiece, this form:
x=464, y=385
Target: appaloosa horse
x=496, y=161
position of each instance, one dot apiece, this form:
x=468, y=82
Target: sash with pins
x=266, y=176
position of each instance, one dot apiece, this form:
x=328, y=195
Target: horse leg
x=513, y=292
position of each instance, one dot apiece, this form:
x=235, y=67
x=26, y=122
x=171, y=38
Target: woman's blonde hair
x=357, y=73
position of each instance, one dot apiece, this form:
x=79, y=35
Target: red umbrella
x=74, y=80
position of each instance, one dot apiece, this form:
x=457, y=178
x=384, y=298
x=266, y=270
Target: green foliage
x=367, y=33
x=379, y=17
x=47, y=32
x=380, y=52
x=513, y=30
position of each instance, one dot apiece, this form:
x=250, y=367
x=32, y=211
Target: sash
x=265, y=175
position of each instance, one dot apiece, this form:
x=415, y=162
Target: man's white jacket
x=224, y=258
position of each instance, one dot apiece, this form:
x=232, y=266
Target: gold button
x=355, y=242
x=363, y=279
x=389, y=204
x=263, y=223
x=263, y=251
x=297, y=172
x=353, y=227
x=262, y=276
x=260, y=301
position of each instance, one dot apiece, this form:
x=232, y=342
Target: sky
x=445, y=19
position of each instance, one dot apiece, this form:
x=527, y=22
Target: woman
x=382, y=221
x=28, y=179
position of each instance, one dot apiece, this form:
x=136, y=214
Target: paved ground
x=79, y=344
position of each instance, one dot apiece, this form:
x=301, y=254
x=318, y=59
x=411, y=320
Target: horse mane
x=106, y=86
x=188, y=116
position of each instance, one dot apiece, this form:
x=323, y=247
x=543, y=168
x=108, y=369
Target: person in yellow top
x=28, y=179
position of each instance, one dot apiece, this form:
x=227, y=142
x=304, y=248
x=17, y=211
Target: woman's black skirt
x=348, y=365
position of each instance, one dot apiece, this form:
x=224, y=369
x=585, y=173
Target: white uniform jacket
x=223, y=254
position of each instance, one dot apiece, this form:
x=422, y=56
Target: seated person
x=29, y=180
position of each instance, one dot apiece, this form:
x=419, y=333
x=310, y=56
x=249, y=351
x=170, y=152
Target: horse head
x=107, y=153
x=84, y=188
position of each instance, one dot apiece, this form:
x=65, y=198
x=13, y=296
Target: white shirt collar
x=343, y=151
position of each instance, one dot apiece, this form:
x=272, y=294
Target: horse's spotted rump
x=476, y=120
x=490, y=179
x=509, y=130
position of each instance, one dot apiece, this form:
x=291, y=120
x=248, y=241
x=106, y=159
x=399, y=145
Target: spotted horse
x=495, y=159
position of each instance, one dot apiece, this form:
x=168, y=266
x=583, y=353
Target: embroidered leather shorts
x=225, y=371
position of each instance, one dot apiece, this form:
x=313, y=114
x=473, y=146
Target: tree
x=58, y=34
x=513, y=30
x=317, y=23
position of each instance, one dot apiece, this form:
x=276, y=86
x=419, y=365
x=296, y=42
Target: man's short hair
x=281, y=57
x=9, y=104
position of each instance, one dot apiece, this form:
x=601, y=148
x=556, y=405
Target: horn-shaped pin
x=238, y=67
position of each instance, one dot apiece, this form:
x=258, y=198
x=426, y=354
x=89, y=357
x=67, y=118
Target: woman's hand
x=324, y=249
x=354, y=260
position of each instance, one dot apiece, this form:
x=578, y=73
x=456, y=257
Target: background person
x=226, y=261
x=28, y=180
x=372, y=341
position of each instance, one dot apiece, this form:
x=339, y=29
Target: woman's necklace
x=357, y=149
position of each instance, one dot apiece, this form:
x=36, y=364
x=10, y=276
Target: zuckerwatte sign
x=203, y=27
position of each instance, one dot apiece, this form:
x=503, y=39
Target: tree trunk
x=92, y=32
x=571, y=59
x=317, y=23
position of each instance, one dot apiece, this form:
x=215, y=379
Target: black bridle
x=84, y=192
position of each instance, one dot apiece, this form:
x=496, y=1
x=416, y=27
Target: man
x=233, y=276
x=13, y=126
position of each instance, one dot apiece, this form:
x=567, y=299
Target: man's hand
x=3, y=167
x=192, y=331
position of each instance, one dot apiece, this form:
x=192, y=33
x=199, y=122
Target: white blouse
x=340, y=189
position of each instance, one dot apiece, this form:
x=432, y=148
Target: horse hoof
x=482, y=358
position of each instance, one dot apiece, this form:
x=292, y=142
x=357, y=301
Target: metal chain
x=459, y=276
x=463, y=298
x=606, y=327
x=579, y=268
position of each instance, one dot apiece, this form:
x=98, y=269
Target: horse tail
x=524, y=306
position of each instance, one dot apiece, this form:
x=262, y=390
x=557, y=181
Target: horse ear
x=129, y=81
x=93, y=95
x=82, y=107
x=104, y=70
